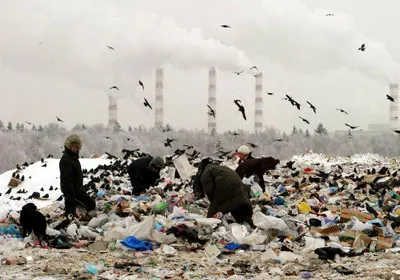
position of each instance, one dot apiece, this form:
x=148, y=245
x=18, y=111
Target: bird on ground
x=238, y=73
x=241, y=108
x=225, y=26
x=371, y=210
x=304, y=120
x=351, y=127
x=141, y=84
x=252, y=145
x=312, y=107
x=147, y=104
x=211, y=112
x=168, y=141
x=362, y=48
x=58, y=119
x=388, y=97
x=114, y=87
x=343, y=111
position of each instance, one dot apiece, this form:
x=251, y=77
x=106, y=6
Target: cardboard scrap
x=328, y=231
x=357, y=239
x=384, y=243
x=347, y=214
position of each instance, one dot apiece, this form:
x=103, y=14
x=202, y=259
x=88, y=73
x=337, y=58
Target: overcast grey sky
x=54, y=60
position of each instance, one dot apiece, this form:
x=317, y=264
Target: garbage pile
x=317, y=215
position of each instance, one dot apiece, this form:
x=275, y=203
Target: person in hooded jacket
x=71, y=178
x=144, y=173
x=225, y=190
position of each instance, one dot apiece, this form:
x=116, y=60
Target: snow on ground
x=37, y=177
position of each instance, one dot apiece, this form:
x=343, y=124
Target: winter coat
x=141, y=175
x=71, y=177
x=257, y=167
x=224, y=189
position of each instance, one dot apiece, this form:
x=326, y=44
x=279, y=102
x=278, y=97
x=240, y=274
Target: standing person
x=71, y=178
x=144, y=173
x=225, y=190
x=243, y=153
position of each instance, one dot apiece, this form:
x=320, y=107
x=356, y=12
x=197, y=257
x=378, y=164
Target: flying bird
x=254, y=146
x=114, y=87
x=107, y=137
x=168, y=141
x=225, y=26
x=147, y=104
x=312, y=107
x=141, y=84
x=238, y=73
x=58, y=119
x=241, y=108
x=234, y=133
x=362, y=48
x=388, y=97
x=329, y=15
x=211, y=112
x=270, y=93
x=278, y=140
x=351, y=127
x=254, y=67
x=397, y=131
x=110, y=48
x=292, y=101
x=166, y=129
x=304, y=120
x=188, y=147
x=28, y=123
x=343, y=111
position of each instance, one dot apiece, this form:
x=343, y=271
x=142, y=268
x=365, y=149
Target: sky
x=54, y=60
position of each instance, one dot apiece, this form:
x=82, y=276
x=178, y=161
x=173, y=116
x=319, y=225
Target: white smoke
x=69, y=38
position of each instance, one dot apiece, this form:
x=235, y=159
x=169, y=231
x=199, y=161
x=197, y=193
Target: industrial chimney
x=258, y=106
x=212, y=99
x=394, y=106
x=112, y=110
x=159, y=108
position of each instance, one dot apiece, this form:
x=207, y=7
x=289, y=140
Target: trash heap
x=318, y=217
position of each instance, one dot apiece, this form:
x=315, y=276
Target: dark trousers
x=244, y=213
x=80, y=198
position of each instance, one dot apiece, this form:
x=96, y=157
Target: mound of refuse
x=316, y=210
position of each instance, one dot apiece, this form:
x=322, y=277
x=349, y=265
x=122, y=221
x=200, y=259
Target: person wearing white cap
x=243, y=153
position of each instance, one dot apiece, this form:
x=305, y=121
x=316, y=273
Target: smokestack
x=258, y=108
x=112, y=110
x=212, y=99
x=394, y=106
x=159, y=117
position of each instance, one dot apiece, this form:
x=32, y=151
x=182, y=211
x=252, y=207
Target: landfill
x=320, y=217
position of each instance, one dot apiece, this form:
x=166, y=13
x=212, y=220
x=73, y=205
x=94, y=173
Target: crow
x=304, y=120
x=388, y=97
x=166, y=129
x=342, y=111
x=225, y=26
x=278, y=140
x=211, y=112
x=252, y=145
x=60, y=198
x=238, y=73
x=371, y=210
x=241, y=108
x=8, y=192
x=32, y=220
x=168, y=141
x=28, y=123
x=107, y=137
x=254, y=67
x=58, y=119
x=362, y=48
x=114, y=87
x=129, y=139
x=329, y=15
x=234, y=133
x=179, y=152
x=147, y=104
x=397, y=131
x=194, y=154
x=110, y=48
x=312, y=107
x=293, y=102
x=270, y=93
x=141, y=84
x=351, y=127
x=188, y=147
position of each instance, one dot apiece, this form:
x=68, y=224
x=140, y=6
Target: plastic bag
x=267, y=222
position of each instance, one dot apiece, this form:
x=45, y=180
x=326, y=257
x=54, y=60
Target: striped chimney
x=159, y=108
x=112, y=110
x=258, y=108
x=394, y=106
x=212, y=99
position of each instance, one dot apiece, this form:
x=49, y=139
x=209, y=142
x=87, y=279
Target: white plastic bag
x=268, y=222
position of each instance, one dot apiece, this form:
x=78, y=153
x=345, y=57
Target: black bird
x=42, y=160
x=22, y=178
x=8, y=192
x=371, y=210
x=212, y=112
x=114, y=87
x=312, y=107
x=343, y=111
x=278, y=140
x=293, y=102
x=329, y=15
x=46, y=196
x=129, y=139
x=234, y=133
x=44, y=165
x=42, y=190
x=241, y=108
x=28, y=123
x=270, y=93
x=179, y=152
x=141, y=84
x=107, y=137
x=110, y=48
x=166, y=129
x=362, y=48
x=147, y=104
x=51, y=188
x=254, y=67
x=388, y=97
x=397, y=131
x=238, y=73
x=194, y=154
x=188, y=147
x=58, y=119
x=60, y=198
x=252, y=145
x=304, y=120
x=351, y=127
x=225, y=26
x=168, y=141
x=32, y=220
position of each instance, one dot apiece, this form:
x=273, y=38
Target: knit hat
x=157, y=162
x=244, y=150
x=73, y=139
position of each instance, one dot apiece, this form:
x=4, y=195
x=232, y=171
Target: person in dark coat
x=71, y=178
x=225, y=190
x=144, y=173
x=257, y=167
